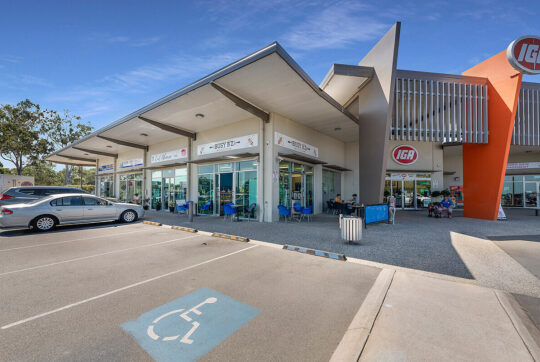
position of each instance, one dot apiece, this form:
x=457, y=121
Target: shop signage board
x=405, y=155
x=403, y=176
x=296, y=145
x=524, y=54
x=131, y=163
x=169, y=156
x=231, y=144
x=522, y=165
x=108, y=167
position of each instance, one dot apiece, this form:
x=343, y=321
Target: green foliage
x=22, y=134
x=44, y=173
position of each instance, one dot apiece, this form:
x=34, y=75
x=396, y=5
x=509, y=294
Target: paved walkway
x=415, y=241
x=428, y=319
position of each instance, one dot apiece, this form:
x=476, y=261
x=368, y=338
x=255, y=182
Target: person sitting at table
x=446, y=205
x=337, y=198
x=355, y=199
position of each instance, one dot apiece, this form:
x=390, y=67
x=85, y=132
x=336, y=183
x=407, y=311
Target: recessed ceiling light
x=199, y=115
x=337, y=129
x=144, y=135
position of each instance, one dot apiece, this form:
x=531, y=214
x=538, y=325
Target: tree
x=22, y=130
x=63, y=130
x=44, y=173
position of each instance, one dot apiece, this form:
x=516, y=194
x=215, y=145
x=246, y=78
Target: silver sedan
x=44, y=214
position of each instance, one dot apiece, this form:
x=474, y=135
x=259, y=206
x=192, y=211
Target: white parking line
x=121, y=289
x=69, y=241
x=93, y=256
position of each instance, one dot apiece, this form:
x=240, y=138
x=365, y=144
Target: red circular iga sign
x=524, y=54
x=405, y=155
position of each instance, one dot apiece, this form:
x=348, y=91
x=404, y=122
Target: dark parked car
x=18, y=195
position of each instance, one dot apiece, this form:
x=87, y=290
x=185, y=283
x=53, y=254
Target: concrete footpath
x=412, y=317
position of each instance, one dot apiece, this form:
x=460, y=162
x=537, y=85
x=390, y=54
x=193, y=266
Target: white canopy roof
x=264, y=82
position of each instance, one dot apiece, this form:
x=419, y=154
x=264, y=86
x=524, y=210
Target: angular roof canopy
x=343, y=81
x=266, y=81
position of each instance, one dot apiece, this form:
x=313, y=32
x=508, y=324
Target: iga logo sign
x=524, y=54
x=405, y=155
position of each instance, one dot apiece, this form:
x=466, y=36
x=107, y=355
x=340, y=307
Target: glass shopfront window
x=331, y=185
x=169, y=187
x=131, y=186
x=106, y=186
x=521, y=191
x=156, y=190
x=232, y=182
x=295, y=184
x=411, y=191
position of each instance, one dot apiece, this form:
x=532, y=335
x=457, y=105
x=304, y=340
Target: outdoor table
x=358, y=208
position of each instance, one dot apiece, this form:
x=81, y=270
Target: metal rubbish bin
x=351, y=228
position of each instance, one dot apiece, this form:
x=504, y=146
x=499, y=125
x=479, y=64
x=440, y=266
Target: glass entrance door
x=168, y=192
x=412, y=191
x=531, y=194
x=224, y=182
x=397, y=192
x=408, y=195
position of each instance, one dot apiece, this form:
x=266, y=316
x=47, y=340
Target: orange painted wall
x=484, y=165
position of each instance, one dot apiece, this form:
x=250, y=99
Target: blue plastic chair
x=307, y=211
x=283, y=211
x=297, y=210
x=206, y=207
x=229, y=211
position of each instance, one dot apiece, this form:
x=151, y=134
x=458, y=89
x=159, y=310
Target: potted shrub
x=157, y=205
x=436, y=196
x=171, y=206
x=146, y=203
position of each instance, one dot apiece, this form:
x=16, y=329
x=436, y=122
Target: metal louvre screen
x=439, y=111
x=527, y=121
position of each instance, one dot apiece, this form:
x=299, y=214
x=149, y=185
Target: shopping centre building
x=260, y=131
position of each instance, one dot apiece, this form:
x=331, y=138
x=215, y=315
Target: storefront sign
x=293, y=144
x=524, y=54
x=522, y=165
x=108, y=167
x=131, y=163
x=405, y=155
x=403, y=176
x=168, y=156
x=228, y=145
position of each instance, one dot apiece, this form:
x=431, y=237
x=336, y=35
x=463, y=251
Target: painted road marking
x=70, y=241
x=191, y=326
x=22, y=321
x=93, y=256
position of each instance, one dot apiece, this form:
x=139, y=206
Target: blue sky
x=104, y=59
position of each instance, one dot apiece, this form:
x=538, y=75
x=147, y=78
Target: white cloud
x=7, y=58
x=337, y=26
x=178, y=71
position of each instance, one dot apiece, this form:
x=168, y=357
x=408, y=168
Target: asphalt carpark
x=65, y=295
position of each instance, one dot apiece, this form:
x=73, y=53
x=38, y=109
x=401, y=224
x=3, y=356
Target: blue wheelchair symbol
x=189, y=327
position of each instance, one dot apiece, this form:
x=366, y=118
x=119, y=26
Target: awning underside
x=270, y=84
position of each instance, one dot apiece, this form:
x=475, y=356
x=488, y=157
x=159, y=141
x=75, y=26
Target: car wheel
x=44, y=223
x=128, y=216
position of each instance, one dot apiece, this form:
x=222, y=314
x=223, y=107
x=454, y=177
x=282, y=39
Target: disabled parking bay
x=107, y=293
